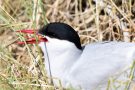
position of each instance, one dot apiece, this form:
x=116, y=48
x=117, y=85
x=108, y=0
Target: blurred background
x=94, y=20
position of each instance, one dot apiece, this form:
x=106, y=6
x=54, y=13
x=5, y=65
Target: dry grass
x=105, y=20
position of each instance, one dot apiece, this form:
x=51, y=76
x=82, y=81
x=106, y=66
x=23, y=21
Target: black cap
x=61, y=31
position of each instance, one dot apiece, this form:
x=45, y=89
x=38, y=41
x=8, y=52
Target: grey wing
x=101, y=60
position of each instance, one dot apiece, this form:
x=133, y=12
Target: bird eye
x=51, y=34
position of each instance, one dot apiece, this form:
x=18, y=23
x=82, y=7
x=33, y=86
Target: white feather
x=88, y=68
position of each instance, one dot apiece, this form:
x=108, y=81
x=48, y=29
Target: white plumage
x=88, y=68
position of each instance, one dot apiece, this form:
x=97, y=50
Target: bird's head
x=55, y=33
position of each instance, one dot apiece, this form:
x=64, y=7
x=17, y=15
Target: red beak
x=32, y=40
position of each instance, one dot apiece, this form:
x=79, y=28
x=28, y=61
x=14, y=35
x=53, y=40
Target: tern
x=80, y=67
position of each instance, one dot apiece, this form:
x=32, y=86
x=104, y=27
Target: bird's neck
x=61, y=59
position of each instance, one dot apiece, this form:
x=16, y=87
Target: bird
x=82, y=67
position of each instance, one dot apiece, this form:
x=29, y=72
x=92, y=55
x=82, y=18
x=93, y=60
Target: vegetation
x=22, y=67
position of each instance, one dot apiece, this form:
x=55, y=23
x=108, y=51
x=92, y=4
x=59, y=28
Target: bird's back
x=99, y=61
